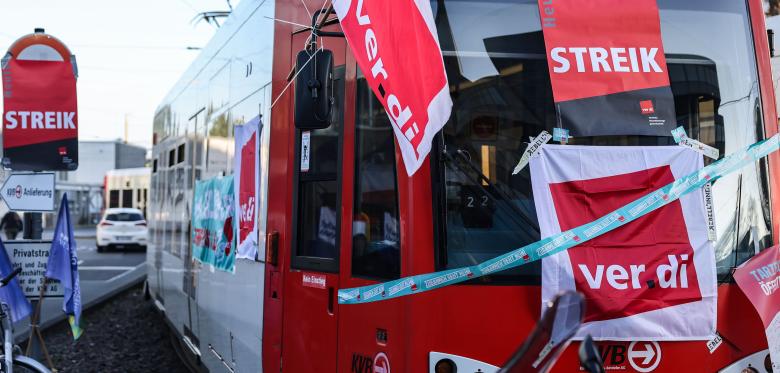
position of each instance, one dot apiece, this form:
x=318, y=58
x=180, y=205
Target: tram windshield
x=495, y=60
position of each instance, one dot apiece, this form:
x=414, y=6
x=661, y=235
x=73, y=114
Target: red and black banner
x=607, y=67
x=40, y=119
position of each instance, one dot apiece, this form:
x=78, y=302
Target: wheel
x=24, y=364
x=101, y=249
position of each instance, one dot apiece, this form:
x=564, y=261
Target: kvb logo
x=381, y=363
x=643, y=266
x=644, y=356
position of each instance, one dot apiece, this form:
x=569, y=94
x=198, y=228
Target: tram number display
x=477, y=207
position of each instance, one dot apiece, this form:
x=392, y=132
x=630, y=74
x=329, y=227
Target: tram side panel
x=218, y=313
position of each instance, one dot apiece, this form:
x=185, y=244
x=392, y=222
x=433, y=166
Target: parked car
x=122, y=228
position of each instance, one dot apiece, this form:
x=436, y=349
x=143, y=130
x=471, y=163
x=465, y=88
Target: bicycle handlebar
x=10, y=277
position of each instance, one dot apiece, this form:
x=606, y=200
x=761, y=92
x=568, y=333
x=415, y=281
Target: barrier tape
x=564, y=240
x=531, y=150
x=682, y=139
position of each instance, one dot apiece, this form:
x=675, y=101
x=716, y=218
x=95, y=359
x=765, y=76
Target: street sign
x=32, y=257
x=40, y=121
x=29, y=192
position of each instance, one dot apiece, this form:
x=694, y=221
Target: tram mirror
x=313, y=90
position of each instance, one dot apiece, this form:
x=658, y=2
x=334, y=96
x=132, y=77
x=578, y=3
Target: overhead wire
x=288, y=22
x=297, y=69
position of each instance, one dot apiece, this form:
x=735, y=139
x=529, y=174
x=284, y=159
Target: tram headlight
x=446, y=366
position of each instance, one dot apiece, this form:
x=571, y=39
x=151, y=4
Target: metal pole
x=35, y=330
x=33, y=225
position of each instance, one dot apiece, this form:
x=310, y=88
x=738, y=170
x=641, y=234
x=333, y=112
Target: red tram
x=350, y=216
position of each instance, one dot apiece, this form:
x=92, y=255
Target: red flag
x=396, y=45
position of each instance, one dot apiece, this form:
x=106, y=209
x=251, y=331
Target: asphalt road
x=102, y=275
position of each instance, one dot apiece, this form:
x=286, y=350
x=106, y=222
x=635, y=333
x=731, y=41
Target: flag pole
x=35, y=329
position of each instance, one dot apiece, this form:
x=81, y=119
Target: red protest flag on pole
x=396, y=45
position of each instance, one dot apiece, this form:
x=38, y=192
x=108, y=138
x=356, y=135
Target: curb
x=139, y=278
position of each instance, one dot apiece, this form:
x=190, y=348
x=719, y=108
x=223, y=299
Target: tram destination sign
x=29, y=192
x=32, y=257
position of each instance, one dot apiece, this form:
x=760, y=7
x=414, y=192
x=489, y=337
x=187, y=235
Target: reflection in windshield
x=496, y=66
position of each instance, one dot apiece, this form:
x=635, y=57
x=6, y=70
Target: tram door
x=310, y=306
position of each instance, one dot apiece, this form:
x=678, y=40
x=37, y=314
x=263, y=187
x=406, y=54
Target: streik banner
x=212, y=223
x=759, y=279
x=40, y=118
x=397, y=48
x=247, y=185
x=653, y=279
x=607, y=67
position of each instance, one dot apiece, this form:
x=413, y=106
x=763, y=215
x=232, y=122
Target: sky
x=129, y=54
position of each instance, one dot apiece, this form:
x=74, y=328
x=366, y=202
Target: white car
x=122, y=228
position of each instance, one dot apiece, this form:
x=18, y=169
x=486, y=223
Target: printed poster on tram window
x=607, y=67
x=396, y=46
x=652, y=279
x=759, y=279
x=247, y=186
x=212, y=223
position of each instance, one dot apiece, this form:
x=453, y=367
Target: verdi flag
x=63, y=266
x=12, y=293
x=396, y=45
x=650, y=280
x=607, y=67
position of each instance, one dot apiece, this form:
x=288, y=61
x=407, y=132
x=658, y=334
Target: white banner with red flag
x=396, y=46
x=246, y=185
x=652, y=279
x=759, y=279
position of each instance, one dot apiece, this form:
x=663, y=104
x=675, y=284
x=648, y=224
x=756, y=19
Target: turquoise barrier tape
x=564, y=240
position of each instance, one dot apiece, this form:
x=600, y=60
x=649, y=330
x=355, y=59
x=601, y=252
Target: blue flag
x=64, y=266
x=12, y=293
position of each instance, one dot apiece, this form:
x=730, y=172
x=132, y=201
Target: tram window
x=496, y=66
x=317, y=216
x=318, y=220
x=113, y=198
x=127, y=198
x=375, y=235
x=180, y=155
